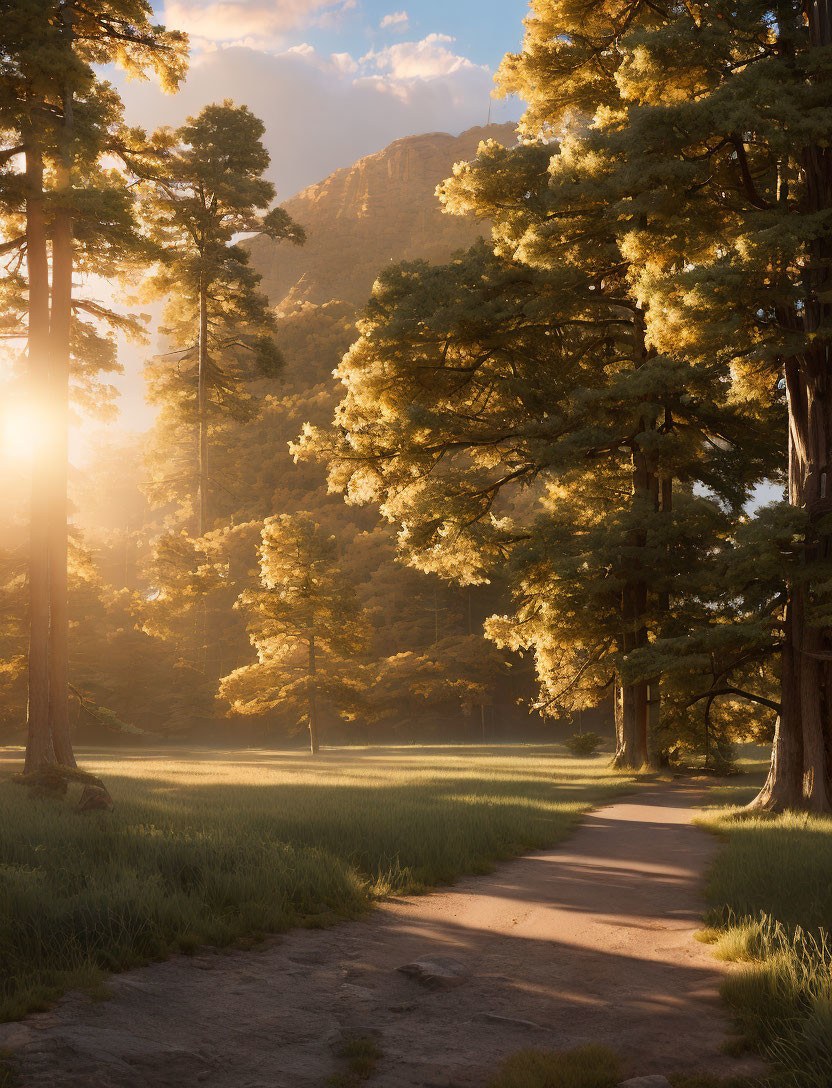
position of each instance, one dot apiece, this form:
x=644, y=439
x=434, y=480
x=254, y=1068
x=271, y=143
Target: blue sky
x=331, y=84
x=483, y=30
x=334, y=80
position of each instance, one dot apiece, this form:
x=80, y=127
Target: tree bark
x=59, y=357
x=39, y=749
x=783, y=788
x=202, y=409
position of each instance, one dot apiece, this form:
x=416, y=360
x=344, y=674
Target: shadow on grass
x=206, y=850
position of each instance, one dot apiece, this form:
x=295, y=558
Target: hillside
x=381, y=209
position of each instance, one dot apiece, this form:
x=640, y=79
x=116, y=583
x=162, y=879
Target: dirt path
x=588, y=942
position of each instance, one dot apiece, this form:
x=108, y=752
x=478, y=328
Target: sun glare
x=23, y=432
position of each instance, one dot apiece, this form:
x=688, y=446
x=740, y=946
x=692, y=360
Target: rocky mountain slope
x=362, y=217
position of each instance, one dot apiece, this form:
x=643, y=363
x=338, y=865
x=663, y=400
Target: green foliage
x=203, y=849
x=305, y=623
x=584, y=1067
x=49, y=58
x=584, y=744
x=206, y=186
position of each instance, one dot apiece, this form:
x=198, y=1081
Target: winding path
x=591, y=941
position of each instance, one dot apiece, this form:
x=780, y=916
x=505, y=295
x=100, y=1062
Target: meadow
x=211, y=847
x=770, y=890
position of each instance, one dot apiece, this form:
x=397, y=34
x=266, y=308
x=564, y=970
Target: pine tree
x=730, y=104
x=64, y=119
x=305, y=623
x=482, y=389
x=209, y=189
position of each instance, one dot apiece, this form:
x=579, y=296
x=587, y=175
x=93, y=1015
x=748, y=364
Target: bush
x=584, y=744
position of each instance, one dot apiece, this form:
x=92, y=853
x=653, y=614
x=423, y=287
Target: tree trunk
x=783, y=788
x=663, y=502
x=633, y=752
x=39, y=749
x=618, y=716
x=314, y=745
x=631, y=718
x=202, y=409
x=59, y=359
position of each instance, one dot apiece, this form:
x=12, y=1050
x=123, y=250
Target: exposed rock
x=95, y=799
x=436, y=972
x=653, y=1081
x=363, y=217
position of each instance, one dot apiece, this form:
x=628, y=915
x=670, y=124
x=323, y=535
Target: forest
x=481, y=489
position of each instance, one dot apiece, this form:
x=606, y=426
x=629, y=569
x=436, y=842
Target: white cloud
x=426, y=59
x=334, y=18
x=397, y=20
x=325, y=111
x=259, y=21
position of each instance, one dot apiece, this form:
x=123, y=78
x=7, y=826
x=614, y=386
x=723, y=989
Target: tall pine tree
x=64, y=119
x=209, y=189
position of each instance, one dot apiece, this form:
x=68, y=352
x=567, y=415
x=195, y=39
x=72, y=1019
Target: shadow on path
x=591, y=941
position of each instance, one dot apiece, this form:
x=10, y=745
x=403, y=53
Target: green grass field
x=771, y=895
x=208, y=847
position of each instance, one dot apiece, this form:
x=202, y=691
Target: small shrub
x=584, y=744
x=362, y=1056
x=584, y=1067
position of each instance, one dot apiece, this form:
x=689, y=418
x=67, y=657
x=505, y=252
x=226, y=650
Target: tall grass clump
x=585, y=1067
x=771, y=890
x=206, y=848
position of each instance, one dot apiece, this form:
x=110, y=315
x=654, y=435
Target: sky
x=334, y=80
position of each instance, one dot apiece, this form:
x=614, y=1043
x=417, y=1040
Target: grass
x=361, y=1056
x=771, y=895
x=584, y=1067
x=208, y=848
x=8, y=1073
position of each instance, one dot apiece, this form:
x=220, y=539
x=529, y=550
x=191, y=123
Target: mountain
x=362, y=217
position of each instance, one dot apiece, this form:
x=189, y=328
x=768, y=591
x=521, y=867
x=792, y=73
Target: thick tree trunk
x=59, y=358
x=39, y=749
x=784, y=785
x=202, y=408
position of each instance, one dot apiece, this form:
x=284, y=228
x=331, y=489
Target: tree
x=64, y=119
x=306, y=625
x=731, y=104
x=482, y=389
x=209, y=190
x=569, y=200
